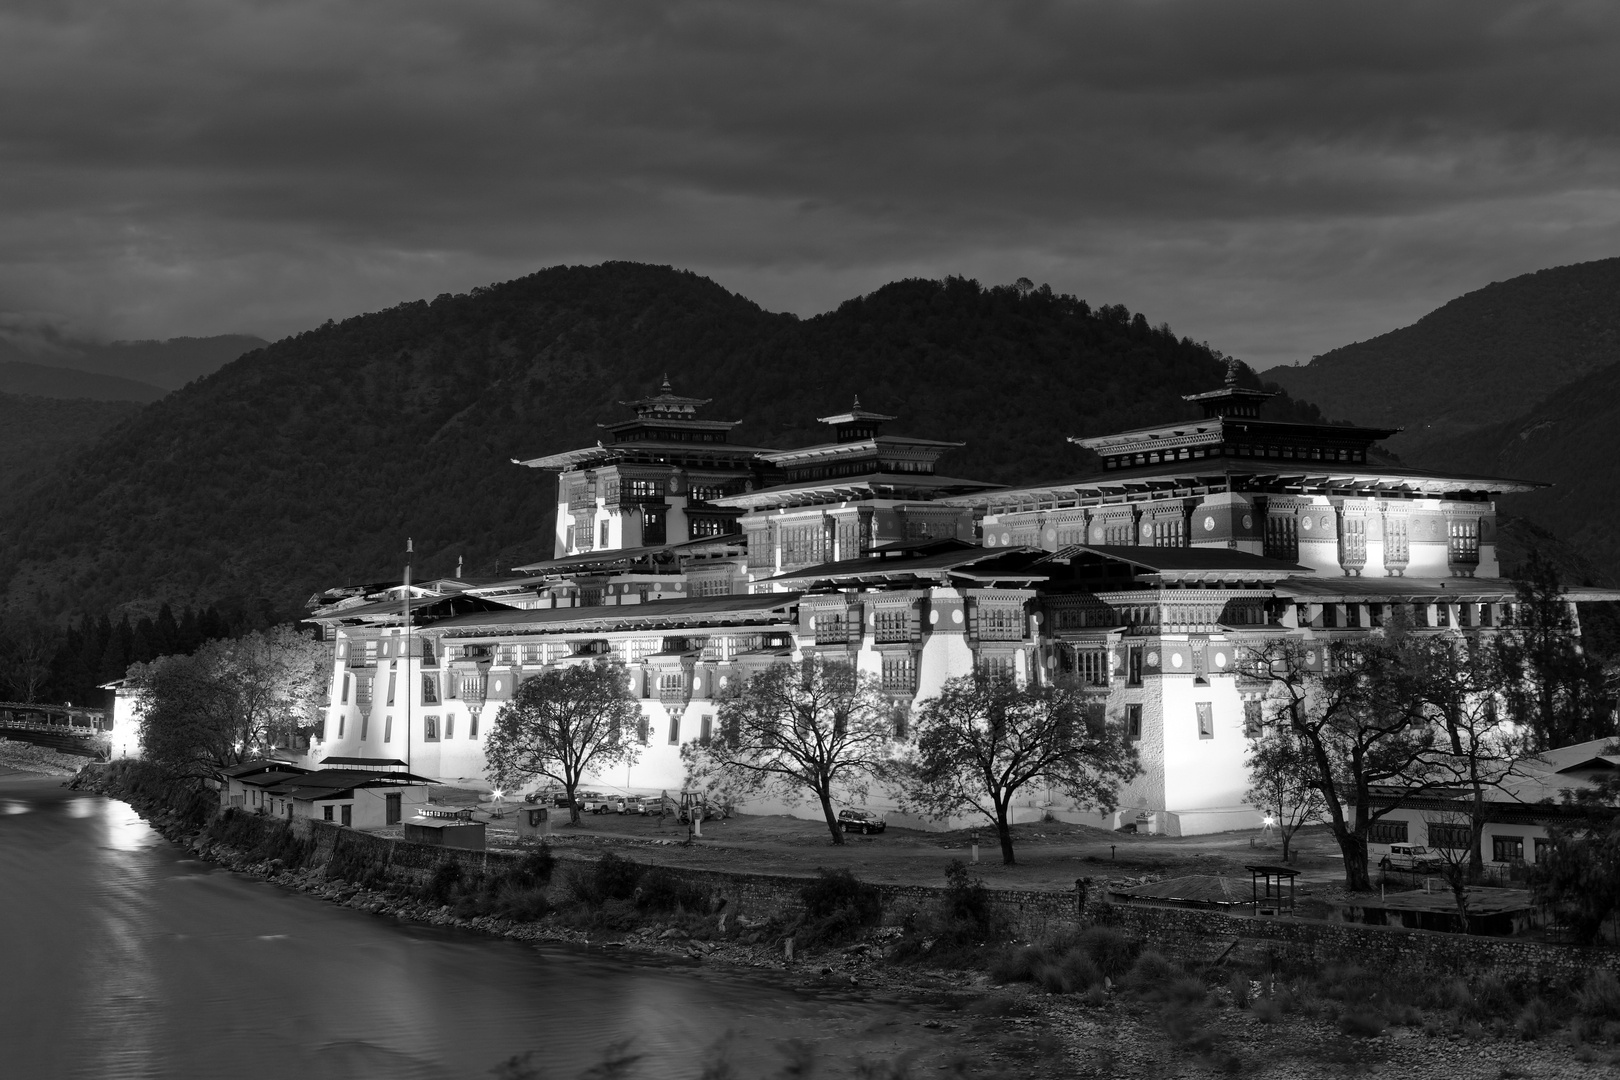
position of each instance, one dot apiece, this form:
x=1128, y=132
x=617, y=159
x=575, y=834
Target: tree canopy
x=814, y=727
x=981, y=741
x=230, y=701
x=562, y=725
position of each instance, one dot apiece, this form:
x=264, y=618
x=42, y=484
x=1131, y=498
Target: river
x=122, y=957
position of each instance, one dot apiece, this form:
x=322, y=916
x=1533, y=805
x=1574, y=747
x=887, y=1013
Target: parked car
x=638, y=804
x=594, y=802
x=1413, y=857
x=860, y=821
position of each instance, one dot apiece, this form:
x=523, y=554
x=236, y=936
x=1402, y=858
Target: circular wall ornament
x=1327, y=522
x=1209, y=523
x=497, y=686
x=1310, y=657
x=1006, y=538
x=1176, y=660
x=1248, y=521
x=933, y=618
x=1220, y=659
x=1153, y=659
x=956, y=616
x=1305, y=524
x=725, y=681
x=1147, y=532
x=989, y=539
x=1097, y=535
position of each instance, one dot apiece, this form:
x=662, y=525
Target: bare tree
x=1283, y=784
x=1357, y=712
x=564, y=724
x=1455, y=864
x=981, y=741
x=1461, y=681
x=814, y=727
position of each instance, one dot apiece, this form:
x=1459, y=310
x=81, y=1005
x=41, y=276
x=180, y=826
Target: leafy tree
x=564, y=724
x=1357, y=712
x=230, y=701
x=1579, y=874
x=1552, y=687
x=815, y=727
x=981, y=741
x=1282, y=783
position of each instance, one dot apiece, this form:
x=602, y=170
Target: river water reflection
x=124, y=958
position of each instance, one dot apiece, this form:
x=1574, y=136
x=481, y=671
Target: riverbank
x=23, y=757
x=1196, y=1016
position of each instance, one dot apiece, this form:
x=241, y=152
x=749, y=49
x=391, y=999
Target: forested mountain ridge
x=307, y=463
x=1485, y=358
x=1567, y=441
x=159, y=366
x=37, y=432
x=45, y=381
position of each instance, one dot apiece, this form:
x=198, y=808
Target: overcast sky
x=1274, y=176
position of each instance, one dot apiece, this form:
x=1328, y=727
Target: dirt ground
x=1049, y=855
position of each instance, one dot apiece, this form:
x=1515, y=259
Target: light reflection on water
x=141, y=962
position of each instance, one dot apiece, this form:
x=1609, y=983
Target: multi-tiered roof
x=666, y=430
x=860, y=463
x=1232, y=449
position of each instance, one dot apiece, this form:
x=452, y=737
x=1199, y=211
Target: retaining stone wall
x=1033, y=913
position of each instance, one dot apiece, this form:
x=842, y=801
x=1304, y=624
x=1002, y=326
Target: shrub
x=1112, y=951
x=612, y=877
x=521, y=904
x=967, y=901
x=1186, y=990
x=1536, y=1019
x=836, y=906
x=1491, y=999
x=1069, y=974
x=837, y=890
x=1362, y=1023
x=1237, y=984
x=661, y=889
x=1017, y=964
x=441, y=884
x=534, y=868
x=1150, y=974
x=1599, y=997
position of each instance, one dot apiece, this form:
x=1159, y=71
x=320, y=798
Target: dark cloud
x=1275, y=177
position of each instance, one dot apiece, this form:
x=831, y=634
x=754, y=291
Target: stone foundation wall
x=1031, y=914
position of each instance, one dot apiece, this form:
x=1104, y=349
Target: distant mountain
x=36, y=432
x=167, y=365
x=307, y=463
x=38, y=380
x=1567, y=440
x=1485, y=358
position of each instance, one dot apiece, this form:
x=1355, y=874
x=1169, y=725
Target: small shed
x=450, y=832
x=1272, y=889
x=533, y=820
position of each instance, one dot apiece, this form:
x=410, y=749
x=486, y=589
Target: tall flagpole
x=407, y=656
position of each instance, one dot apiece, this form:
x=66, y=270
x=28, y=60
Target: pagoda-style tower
x=839, y=500
x=654, y=482
x=1315, y=494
